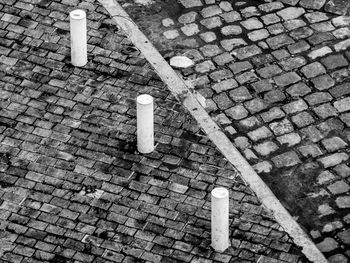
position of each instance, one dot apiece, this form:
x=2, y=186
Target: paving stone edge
x=183, y=93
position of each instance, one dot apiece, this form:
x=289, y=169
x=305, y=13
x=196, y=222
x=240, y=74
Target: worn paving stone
x=291, y=13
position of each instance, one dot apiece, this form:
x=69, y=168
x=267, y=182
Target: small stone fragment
x=181, y=62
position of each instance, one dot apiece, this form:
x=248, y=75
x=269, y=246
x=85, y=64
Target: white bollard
x=145, y=134
x=220, y=219
x=78, y=38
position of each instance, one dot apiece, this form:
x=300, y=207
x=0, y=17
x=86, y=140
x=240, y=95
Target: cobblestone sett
x=291, y=13
x=321, y=52
x=313, y=70
x=343, y=201
x=334, y=61
x=327, y=245
x=246, y=52
x=339, y=187
x=279, y=41
x=323, y=82
x=343, y=45
x=287, y=79
x=342, y=105
x=286, y=159
x=333, y=160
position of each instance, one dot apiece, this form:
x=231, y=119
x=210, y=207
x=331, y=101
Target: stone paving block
x=223, y=101
x=205, y=66
x=274, y=96
x=225, y=85
x=208, y=37
x=315, y=17
x=303, y=119
x=279, y=41
x=312, y=70
x=237, y=112
x=231, y=16
x=272, y=114
x=188, y=18
x=342, y=33
x=310, y=150
x=258, y=35
x=281, y=127
x=210, y=11
x=325, y=110
x=341, y=21
x=287, y=79
x=343, y=201
x=343, y=45
x=292, y=63
x=298, y=90
x=269, y=7
x=211, y=22
x=255, y=105
x=266, y=148
x=171, y=34
x=260, y=133
x=318, y=98
x=262, y=85
x=246, y=77
x=323, y=82
x=342, y=105
x=229, y=44
x=190, y=29
x=246, y=52
x=226, y=6
x=340, y=90
x=333, y=160
x=290, y=139
x=294, y=24
x=269, y=71
x=276, y=29
x=231, y=30
x=325, y=210
x=251, y=24
x=345, y=236
x=191, y=3
x=295, y=106
x=338, y=7
x=338, y=187
x=323, y=27
x=327, y=245
x=334, y=61
x=301, y=33
x=312, y=4
x=240, y=94
x=270, y=19
x=321, y=52
x=291, y=13
x=286, y=159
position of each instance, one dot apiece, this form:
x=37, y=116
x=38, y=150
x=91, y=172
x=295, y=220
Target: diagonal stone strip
x=182, y=92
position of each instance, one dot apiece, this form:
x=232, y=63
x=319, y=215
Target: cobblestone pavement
x=275, y=75
x=73, y=188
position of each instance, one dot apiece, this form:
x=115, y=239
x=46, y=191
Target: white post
x=78, y=38
x=220, y=219
x=145, y=134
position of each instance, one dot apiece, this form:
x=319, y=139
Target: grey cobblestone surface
x=73, y=188
x=285, y=90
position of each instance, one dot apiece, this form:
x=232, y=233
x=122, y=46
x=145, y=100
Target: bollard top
x=219, y=192
x=77, y=14
x=144, y=99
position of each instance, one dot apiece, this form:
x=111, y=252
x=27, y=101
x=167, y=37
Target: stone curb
x=182, y=92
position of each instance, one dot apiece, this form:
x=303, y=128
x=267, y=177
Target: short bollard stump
x=220, y=219
x=78, y=37
x=145, y=133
